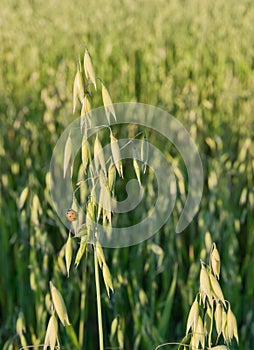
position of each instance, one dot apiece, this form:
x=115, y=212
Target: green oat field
x=195, y=60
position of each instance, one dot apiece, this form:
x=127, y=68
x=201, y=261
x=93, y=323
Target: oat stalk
x=98, y=298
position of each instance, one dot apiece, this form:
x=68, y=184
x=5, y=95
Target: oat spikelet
x=235, y=329
x=111, y=176
x=89, y=68
x=103, y=179
x=144, y=153
x=224, y=325
x=199, y=335
x=85, y=153
x=192, y=317
x=78, y=89
x=232, y=325
x=137, y=170
x=215, y=261
x=100, y=254
x=217, y=289
x=106, y=205
x=107, y=102
x=116, y=155
x=81, y=250
x=205, y=287
x=86, y=106
x=107, y=278
x=59, y=304
x=51, y=333
x=99, y=156
x=208, y=320
x=218, y=318
x=114, y=326
x=68, y=254
x=85, y=113
x=90, y=216
x=100, y=203
x=136, y=157
x=105, y=201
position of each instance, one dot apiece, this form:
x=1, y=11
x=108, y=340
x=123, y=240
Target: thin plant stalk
x=98, y=296
x=82, y=305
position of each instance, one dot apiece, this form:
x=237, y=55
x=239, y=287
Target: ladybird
x=71, y=215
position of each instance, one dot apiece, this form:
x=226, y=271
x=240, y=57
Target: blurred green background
x=195, y=59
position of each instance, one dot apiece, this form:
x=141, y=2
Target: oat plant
x=100, y=172
x=211, y=323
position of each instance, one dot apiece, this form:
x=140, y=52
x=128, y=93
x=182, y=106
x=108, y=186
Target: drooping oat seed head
x=224, y=325
x=103, y=179
x=90, y=209
x=78, y=89
x=144, y=153
x=136, y=164
x=232, y=325
x=111, y=176
x=235, y=328
x=216, y=289
x=113, y=328
x=192, y=317
x=51, y=333
x=116, y=155
x=99, y=159
x=107, y=211
x=208, y=320
x=100, y=204
x=89, y=68
x=68, y=254
x=218, y=318
x=107, y=102
x=199, y=335
x=90, y=216
x=100, y=254
x=81, y=250
x=104, y=204
x=85, y=153
x=102, y=197
x=205, y=286
x=107, y=278
x=59, y=304
x=215, y=261
x=85, y=114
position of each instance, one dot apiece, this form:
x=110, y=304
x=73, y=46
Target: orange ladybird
x=71, y=215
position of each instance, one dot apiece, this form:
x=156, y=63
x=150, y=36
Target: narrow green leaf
x=165, y=317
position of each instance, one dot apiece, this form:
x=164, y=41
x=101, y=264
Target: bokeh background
x=195, y=59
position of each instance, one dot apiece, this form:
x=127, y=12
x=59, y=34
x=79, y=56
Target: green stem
x=98, y=296
x=82, y=305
